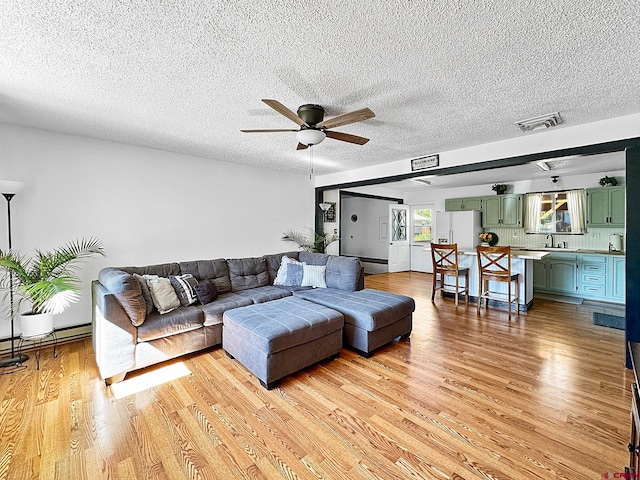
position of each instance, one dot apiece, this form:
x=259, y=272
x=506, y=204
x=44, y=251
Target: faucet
x=549, y=236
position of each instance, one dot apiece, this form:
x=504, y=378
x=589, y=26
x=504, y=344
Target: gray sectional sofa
x=128, y=336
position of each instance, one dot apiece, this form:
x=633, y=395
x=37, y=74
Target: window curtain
x=575, y=203
x=532, y=212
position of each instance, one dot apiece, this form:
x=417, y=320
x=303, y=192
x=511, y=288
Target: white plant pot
x=36, y=324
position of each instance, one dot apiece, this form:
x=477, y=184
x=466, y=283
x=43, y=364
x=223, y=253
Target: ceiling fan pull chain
x=310, y=161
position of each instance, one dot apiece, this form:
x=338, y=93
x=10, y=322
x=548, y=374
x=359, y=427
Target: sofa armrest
x=114, y=337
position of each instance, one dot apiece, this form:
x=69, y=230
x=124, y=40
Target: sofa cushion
x=313, y=276
x=179, y=320
x=286, y=323
x=206, y=291
x=343, y=273
x=214, y=311
x=127, y=291
x=146, y=294
x=163, y=294
x=367, y=309
x=161, y=270
x=215, y=270
x=275, y=260
x=247, y=273
x=313, y=258
x=265, y=294
x=184, y=287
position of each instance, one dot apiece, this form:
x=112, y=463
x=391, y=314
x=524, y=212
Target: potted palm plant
x=47, y=280
x=311, y=241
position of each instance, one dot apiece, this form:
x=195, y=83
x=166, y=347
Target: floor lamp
x=14, y=362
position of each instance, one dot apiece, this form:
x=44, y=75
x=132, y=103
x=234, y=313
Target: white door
x=399, y=250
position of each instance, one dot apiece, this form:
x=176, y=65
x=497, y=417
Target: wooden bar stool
x=494, y=265
x=445, y=264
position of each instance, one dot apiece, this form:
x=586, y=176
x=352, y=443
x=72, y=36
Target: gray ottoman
x=372, y=318
x=277, y=338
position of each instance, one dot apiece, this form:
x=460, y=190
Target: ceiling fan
x=313, y=129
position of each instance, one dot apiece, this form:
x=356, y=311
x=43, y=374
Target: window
x=422, y=223
x=555, y=212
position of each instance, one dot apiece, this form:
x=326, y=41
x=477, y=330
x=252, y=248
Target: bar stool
x=445, y=264
x=494, y=265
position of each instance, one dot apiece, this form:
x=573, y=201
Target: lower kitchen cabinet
x=592, y=276
x=540, y=275
x=563, y=276
x=619, y=279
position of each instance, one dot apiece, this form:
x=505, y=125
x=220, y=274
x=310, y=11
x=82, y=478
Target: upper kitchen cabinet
x=458, y=204
x=605, y=207
x=502, y=211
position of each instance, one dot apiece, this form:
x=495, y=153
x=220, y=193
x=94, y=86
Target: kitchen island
x=521, y=263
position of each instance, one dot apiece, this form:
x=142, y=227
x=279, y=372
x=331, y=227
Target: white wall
x=147, y=206
x=364, y=237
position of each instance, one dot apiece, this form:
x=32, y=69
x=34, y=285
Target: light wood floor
x=543, y=396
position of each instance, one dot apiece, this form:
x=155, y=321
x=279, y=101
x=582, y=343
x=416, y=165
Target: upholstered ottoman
x=277, y=338
x=372, y=318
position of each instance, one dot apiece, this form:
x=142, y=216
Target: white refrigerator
x=462, y=228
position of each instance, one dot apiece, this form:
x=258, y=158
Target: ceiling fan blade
x=269, y=130
x=281, y=109
x=347, y=118
x=346, y=137
x=302, y=146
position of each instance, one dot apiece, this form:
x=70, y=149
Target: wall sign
x=425, y=162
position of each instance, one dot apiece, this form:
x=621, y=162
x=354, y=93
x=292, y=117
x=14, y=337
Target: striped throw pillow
x=314, y=276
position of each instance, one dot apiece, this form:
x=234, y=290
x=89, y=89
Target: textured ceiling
x=186, y=76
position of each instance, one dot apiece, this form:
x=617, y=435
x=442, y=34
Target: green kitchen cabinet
x=540, y=275
x=563, y=273
x=606, y=207
x=619, y=279
x=466, y=203
x=594, y=278
x=502, y=211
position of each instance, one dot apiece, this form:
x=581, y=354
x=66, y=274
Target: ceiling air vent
x=422, y=180
x=540, y=123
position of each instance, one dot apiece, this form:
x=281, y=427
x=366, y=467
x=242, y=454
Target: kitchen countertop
x=516, y=253
x=569, y=250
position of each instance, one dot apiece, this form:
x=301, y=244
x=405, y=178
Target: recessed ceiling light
x=540, y=123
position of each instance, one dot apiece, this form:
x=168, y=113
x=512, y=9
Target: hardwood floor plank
x=543, y=395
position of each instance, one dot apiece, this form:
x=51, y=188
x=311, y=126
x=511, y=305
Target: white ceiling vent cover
x=539, y=123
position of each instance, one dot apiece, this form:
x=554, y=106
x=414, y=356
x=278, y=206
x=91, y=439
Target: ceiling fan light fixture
x=310, y=136
x=541, y=122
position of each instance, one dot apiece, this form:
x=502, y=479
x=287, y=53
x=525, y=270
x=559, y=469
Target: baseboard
x=64, y=335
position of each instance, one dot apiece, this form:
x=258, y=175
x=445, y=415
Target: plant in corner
x=48, y=280
x=608, y=181
x=499, y=188
x=311, y=241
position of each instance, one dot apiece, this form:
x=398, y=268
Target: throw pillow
x=314, y=276
x=146, y=294
x=206, y=291
x=281, y=276
x=294, y=274
x=183, y=285
x=163, y=294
